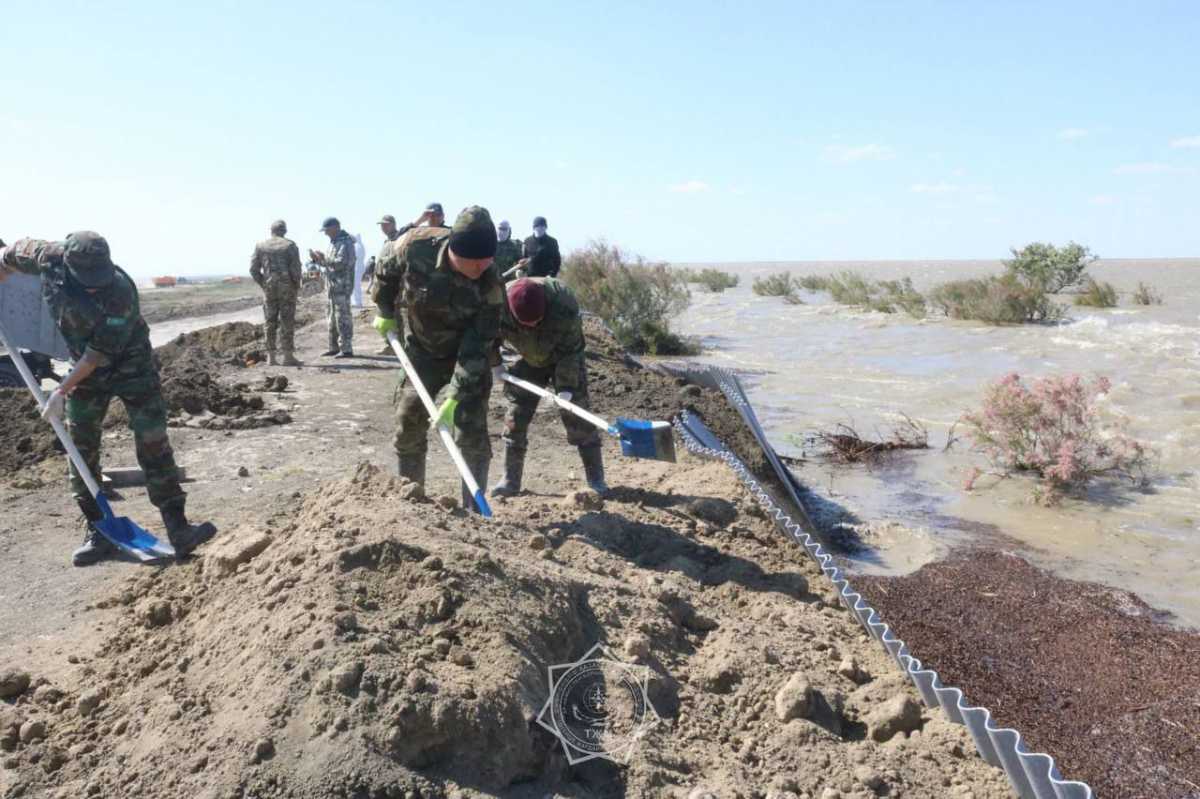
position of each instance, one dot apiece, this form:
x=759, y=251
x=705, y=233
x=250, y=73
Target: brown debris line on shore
x=1087, y=673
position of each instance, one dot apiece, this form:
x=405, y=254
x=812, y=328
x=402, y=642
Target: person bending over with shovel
x=95, y=305
x=541, y=322
x=452, y=296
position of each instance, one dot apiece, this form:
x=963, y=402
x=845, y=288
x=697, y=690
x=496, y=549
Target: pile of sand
x=25, y=439
x=372, y=643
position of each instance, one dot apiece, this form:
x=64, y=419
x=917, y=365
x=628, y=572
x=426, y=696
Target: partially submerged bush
x=1097, y=294
x=813, y=282
x=1003, y=299
x=1052, y=430
x=891, y=296
x=850, y=288
x=636, y=298
x=1048, y=267
x=713, y=279
x=780, y=284
x=1146, y=295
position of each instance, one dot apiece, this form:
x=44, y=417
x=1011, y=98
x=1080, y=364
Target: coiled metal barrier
x=1032, y=775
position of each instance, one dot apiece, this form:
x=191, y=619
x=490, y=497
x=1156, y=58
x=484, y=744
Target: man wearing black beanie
x=452, y=296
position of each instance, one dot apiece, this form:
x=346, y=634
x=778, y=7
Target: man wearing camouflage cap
x=276, y=269
x=433, y=216
x=95, y=305
x=338, y=264
x=541, y=322
x=451, y=295
x=508, y=251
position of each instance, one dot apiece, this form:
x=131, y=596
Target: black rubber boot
x=328, y=353
x=95, y=546
x=185, y=537
x=593, y=468
x=514, y=467
x=479, y=470
x=289, y=358
x=412, y=467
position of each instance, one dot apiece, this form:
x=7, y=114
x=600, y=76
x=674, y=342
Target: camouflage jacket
x=507, y=254
x=449, y=315
x=107, y=323
x=276, y=259
x=557, y=341
x=339, y=264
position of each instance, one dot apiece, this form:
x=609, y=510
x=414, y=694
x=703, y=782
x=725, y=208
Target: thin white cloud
x=1186, y=143
x=1152, y=168
x=1102, y=199
x=1071, y=134
x=934, y=188
x=690, y=187
x=845, y=154
x=959, y=173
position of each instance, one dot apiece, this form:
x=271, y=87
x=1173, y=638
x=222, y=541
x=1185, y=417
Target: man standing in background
x=508, y=250
x=433, y=215
x=338, y=264
x=541, y=250
x=276, y=268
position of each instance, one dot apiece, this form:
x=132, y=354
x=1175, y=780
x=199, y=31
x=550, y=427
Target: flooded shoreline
x=811, y=366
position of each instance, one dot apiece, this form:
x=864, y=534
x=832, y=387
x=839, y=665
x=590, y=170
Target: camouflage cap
x=436, y=208
x=387, y=219
x=279, y=226
x=473, y=235
x=88, y=259
x=330, y=221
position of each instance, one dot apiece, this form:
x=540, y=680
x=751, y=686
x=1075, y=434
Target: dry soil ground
x=347, y=636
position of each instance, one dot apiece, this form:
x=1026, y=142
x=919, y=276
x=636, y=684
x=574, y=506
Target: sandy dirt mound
x=190, y=367
x=371, y=643
x=25, y=439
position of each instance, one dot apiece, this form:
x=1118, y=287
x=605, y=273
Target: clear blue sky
x=686, y=131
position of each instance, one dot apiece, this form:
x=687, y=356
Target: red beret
x=527, y=300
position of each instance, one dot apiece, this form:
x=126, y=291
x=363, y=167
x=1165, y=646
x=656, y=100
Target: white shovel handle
x=63, y=436
x=570, y=407
x=446, y=435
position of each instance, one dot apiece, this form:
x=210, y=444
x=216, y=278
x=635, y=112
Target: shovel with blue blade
x=639, y=439
x=124, y=533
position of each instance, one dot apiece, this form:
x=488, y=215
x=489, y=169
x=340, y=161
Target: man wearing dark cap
x=433, y=216
x=541, y=322
x=338, y=264
x=508, y=251
x=95, y=306
x=451, y=296
x=541, y=251
x=276, y=269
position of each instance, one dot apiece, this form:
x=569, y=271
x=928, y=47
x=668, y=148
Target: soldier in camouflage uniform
x=276, y=268
x=508, y=251
x=95, y=305
x=444, y=281
x=338, y=264
x=541, y=322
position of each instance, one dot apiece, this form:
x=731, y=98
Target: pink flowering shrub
x=1051, y=429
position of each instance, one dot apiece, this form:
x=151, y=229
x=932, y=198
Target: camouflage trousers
x=412, y=420
x=279, y=313
x=136, y=384
x=341, y=322
x=522, y=405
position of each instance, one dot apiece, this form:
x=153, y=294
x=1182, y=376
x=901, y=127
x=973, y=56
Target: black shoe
x=412, y=467
x=94, y=549
x=185, y=537
x=346, y=354
x=327, y=353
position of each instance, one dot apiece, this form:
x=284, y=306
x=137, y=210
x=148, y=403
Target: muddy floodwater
x=810, y=366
